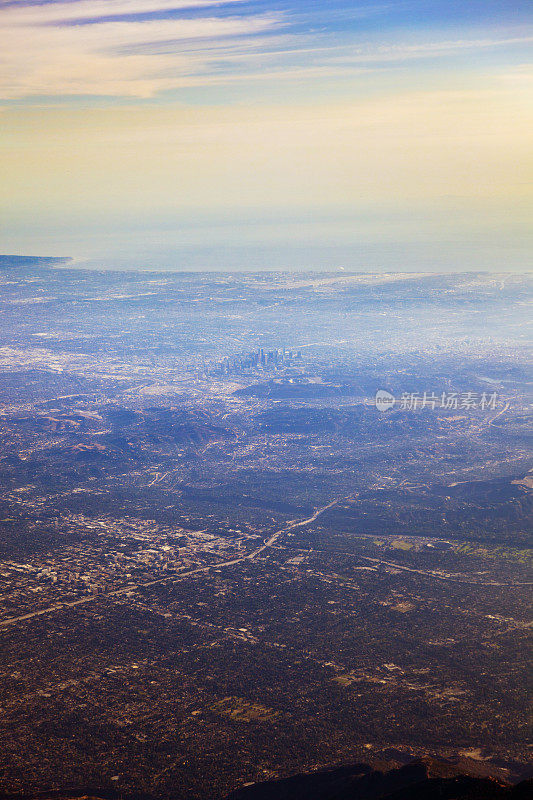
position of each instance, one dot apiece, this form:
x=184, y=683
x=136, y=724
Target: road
x=504, y=409
x=442, y=576
x=273, y=538
x=173, y=578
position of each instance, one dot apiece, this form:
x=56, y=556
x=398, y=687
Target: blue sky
x=128, y=125
x=168, y=50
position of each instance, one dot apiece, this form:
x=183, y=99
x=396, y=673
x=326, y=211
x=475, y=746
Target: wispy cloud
x=27, y=13
x=41, y=55
x=433, y=49
x=142, y=48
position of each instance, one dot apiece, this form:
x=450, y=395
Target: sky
x=199, y=134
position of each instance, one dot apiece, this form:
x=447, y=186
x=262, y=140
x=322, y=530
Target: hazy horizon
x=252, y=135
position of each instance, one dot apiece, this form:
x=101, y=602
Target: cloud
x=404, y=52
x=142, y=48
x=131, y=57
x=24, y=12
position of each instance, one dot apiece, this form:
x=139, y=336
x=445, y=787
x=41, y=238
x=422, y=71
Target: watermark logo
x=462, y=401
x=384, y=400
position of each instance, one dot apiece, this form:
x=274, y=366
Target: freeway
x=441, y=576
x=172, y=578
x=270, y=542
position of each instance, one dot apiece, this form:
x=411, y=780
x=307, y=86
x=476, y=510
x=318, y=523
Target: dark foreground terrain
x=419, y=780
